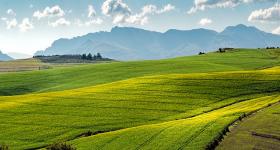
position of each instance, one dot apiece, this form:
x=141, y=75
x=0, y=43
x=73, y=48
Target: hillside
x=88, y=75
x=179, y=103
x=5, y=57
x=151, y=109
x=22, y=65
x=143, y=44
x=259, y=131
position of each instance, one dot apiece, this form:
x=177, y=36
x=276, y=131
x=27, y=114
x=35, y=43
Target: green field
x=180, y=103
x=94, y=74
x=261, y=131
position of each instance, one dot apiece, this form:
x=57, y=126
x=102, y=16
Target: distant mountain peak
x=130, y=43
x=241, y=28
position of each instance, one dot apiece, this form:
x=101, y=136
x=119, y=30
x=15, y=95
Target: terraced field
x=182, y=103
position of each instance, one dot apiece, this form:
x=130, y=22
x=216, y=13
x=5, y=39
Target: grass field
x=22, y=65
x=261, y=131
x=89, y=75
x=181, y=103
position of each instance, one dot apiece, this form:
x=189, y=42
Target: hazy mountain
x=4, y=57
x=125, y=43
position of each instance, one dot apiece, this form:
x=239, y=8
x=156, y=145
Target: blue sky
x=30, y=25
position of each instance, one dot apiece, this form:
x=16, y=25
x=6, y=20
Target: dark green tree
x=89, y=56
x=84, y=56
x=94, y=57
x=98, y=56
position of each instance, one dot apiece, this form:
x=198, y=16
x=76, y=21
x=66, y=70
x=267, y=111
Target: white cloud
x=276, y=31
x=200, y=5
x=137, y=19
x=11, y=23
x=4, y=18
x=25, y=25
x=91, y=11
x=166, y=8
x=142, y=18
x=121, y=13
x=97, y=21
x=116, y=9
x=31, y=6
x=54, y=11
x=269, y=14
x=205, y=21
x=148, y=9
x=152, y=9
x=60, y=22
x=11, y=12
x=88, y=23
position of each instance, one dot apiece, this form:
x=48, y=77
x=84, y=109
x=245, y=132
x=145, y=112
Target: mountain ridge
x=130, y=43
x=5, y=57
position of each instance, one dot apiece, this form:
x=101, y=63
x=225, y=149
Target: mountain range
x=5, y=57
x=127, y=43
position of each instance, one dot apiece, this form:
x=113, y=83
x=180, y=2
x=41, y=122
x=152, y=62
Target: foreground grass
x=146, y=106
x=89, y=75
x=261, y=131
x=192, y=133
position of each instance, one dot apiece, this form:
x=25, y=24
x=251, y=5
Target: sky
x=27, y=26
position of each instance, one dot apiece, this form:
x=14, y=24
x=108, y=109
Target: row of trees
x=91, y=57
x=272, y=47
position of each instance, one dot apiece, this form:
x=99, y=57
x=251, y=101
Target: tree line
x=89, y=56
x=85, y=56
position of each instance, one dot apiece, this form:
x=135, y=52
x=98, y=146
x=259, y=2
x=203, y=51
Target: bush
x=61, y=146
x=4, y=147
x=201, y=53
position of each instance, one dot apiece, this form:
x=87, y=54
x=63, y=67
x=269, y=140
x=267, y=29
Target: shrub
x=4, y=147
x=61, y=146
x=201, y=53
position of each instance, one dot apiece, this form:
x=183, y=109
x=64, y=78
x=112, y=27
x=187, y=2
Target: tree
x=94, y=57
x=89, y=56
x=222, y=50
x=201, y=53
x=98, y=56
x=84, y=56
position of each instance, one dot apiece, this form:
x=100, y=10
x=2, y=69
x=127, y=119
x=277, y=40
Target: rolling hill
x=144, y=44
x=179, y=103
x=88, y=75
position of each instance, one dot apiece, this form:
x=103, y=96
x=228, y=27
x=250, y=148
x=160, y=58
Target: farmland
x=261, y=131
x=21, y=65
x=94, y=74
x=180, y=103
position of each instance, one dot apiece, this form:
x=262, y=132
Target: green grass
x=192, y=133
x=180, y=103
x=153, y=100
x=266, y=122
x=94, y=74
